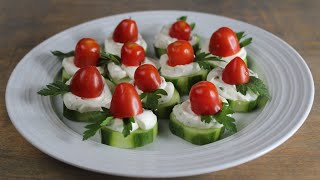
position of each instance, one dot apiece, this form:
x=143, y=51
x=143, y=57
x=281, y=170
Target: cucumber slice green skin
x=248, y=106
x=184, y=83
x=160, y=51
x=90, y=117
x=194, y=135
x=164, y=110
x=136, y=138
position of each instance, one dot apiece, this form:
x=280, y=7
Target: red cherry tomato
x=224, y=42
x=204, y=98
x=87, y=53
x=147, y=78
x=126, y=31
x=180, y=30
x=87, y=82
x=132, y=54
x=125, y=101
x=236, y=72
x=180, y=53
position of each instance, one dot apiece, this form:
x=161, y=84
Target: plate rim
x=199, y=171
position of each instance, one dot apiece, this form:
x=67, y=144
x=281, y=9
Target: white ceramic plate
x=282, y=68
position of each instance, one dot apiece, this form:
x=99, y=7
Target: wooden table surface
x=25, y=24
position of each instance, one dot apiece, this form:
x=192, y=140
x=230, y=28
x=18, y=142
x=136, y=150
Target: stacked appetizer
x=156, y=94
x=202, y=118
x=122, y=94
x=179, y=30
x=239, y=85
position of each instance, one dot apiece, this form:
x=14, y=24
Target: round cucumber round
x=160, y=51
x=136, y=138
x=242, y=106
x=91, y=117
x=125, y=79
x=184, y=83
x=164, y=110
x=194, y=135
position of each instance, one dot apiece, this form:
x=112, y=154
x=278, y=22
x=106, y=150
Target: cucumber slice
x=194, y=135
x=65, y=76
x=136, y=138
x=125, y=79
x=243, y=106
x=184, y=83
x=164, y=110
x=91, y=117
x=160, y=51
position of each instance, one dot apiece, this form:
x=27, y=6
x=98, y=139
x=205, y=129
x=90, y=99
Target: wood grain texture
x=25, y=24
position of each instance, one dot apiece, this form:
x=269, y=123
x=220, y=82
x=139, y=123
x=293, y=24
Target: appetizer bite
x=203, y=118
x=179, y=30
x=239, y=85
x=127, y=124
x=181, y=67
x=84, y=95
x=226, y=44
x=86, y=53
x=122, y=69
x=156, y=94
x=126, y=31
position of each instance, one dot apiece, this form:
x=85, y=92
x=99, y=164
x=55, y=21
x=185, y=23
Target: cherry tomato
x=224, y=42
x=87, y=82
x=204, y=98
x=180, y=53
x=132, y=54
x=236, y=72
x=125, y=101
x=180, y=30
x=126, y=31
x=87, y=53
x=147, y=78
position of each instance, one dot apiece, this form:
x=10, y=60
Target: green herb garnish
x=152, y=99
x=255, y=85
x=127, y=126
x=205, y=60
x=222, y=118
x=54, y=89
x=245, y=42
x=62, y=55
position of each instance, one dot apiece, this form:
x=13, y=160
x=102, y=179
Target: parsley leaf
x=192, y=25
x=62, y=55
x=245, y=42
x=183, y=18
x=127, y=126
x=256, y=85
x=222, y=118
x=93, y=128
x=242, y=88
x=205, y=60
x=106, y=58
x=152, y=99
x=54, y=89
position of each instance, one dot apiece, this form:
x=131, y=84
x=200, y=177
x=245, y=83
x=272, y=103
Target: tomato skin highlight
x=180, y=30
x=126, y=31
x=224, y=42
x=87, y=82
x=180, y=53
x=204, y=98
x=125, y=101
x=147, y=78
x=132, y=54
x=87, y=53
x=236, y=72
